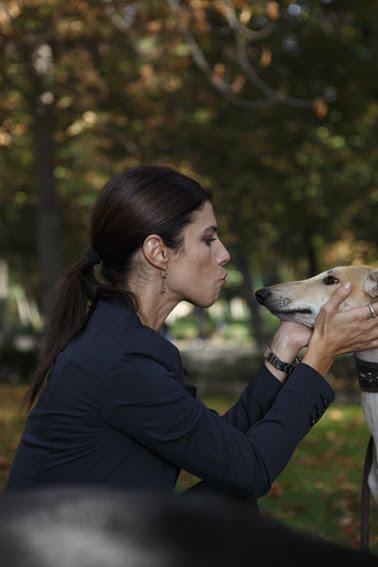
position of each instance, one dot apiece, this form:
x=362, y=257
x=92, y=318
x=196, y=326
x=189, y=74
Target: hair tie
x=92, y=257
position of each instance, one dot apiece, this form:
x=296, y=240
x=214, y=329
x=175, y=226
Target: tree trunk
x=4, y=322
x=247, y=289
x=313, y=267
x=203, y=322
x=48, y=214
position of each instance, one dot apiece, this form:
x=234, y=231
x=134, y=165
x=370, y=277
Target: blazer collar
x=129, y=313
x=115, y=309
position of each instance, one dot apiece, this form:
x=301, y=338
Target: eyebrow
x=212, y=227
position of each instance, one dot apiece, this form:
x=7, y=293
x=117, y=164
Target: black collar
x=367, y=374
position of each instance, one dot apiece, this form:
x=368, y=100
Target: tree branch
x=249, y=70
x=201, y=62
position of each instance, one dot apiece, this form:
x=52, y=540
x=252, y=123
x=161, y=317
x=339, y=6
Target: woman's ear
x=155, y=251
x=371, y=283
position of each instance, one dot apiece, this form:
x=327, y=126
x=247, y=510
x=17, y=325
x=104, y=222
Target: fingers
x=364, y=346
x=364, y=312
x=338, y=296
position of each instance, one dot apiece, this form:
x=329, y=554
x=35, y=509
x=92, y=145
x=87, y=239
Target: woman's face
x=195, y=273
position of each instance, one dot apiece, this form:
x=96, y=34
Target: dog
x=74, y=526
x=301, y=301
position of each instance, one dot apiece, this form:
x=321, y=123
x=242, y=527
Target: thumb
x=338, y=296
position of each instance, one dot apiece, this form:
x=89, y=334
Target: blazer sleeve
x=254, y=401
x=146, y=402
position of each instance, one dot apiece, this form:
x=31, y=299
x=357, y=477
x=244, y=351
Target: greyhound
x=302, y=300
x=81, y=526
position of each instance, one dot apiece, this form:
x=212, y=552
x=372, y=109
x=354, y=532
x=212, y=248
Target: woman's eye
x=209, y=240
x=330, y=280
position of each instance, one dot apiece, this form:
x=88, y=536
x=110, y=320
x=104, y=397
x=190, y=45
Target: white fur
x=369, y=402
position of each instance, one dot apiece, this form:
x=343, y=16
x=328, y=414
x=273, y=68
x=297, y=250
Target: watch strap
x=277, y=362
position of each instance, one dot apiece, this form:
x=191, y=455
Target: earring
x=164, y=276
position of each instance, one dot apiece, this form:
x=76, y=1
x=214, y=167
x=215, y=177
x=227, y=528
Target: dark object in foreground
x=93, y=528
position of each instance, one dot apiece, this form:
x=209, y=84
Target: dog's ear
x=371, y=284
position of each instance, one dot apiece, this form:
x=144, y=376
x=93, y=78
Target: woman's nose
x=226, y=256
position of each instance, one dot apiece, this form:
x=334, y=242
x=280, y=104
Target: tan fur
x=286, y=299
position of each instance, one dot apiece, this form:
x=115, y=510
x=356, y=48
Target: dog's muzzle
x=262, y=295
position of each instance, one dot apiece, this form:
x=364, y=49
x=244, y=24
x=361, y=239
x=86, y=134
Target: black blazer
x=115, y=412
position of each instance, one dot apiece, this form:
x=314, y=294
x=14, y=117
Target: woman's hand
x=337, y=332
x=289, y=338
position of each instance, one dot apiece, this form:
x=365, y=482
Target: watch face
x=280, y=365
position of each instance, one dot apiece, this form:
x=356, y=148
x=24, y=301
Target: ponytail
x=68, y=317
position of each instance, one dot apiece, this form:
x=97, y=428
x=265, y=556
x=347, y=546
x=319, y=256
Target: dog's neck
x=368, y=355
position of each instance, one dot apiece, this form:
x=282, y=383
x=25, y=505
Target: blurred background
x=270, y=104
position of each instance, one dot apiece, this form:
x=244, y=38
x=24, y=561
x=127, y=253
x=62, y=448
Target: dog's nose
x=262, y=295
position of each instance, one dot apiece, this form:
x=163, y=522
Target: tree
x=89, y=89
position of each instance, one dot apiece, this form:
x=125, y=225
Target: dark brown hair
x=139, y=202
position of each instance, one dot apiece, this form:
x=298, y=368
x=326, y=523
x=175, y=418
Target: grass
x=319, y=491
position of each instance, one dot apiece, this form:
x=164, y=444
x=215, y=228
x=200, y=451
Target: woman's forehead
x=205, y=218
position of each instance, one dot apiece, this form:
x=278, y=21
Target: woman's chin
x=204, y=304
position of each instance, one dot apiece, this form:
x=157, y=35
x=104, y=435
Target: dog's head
x=302, y=300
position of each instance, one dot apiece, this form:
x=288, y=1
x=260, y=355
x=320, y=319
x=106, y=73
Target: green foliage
x=290, y=183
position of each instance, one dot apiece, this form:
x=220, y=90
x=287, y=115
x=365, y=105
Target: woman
x=114, y=409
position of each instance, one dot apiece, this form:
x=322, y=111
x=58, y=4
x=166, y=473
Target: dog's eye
x=330, y=280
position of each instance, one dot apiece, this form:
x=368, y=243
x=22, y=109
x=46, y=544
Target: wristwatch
x=278, y=363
